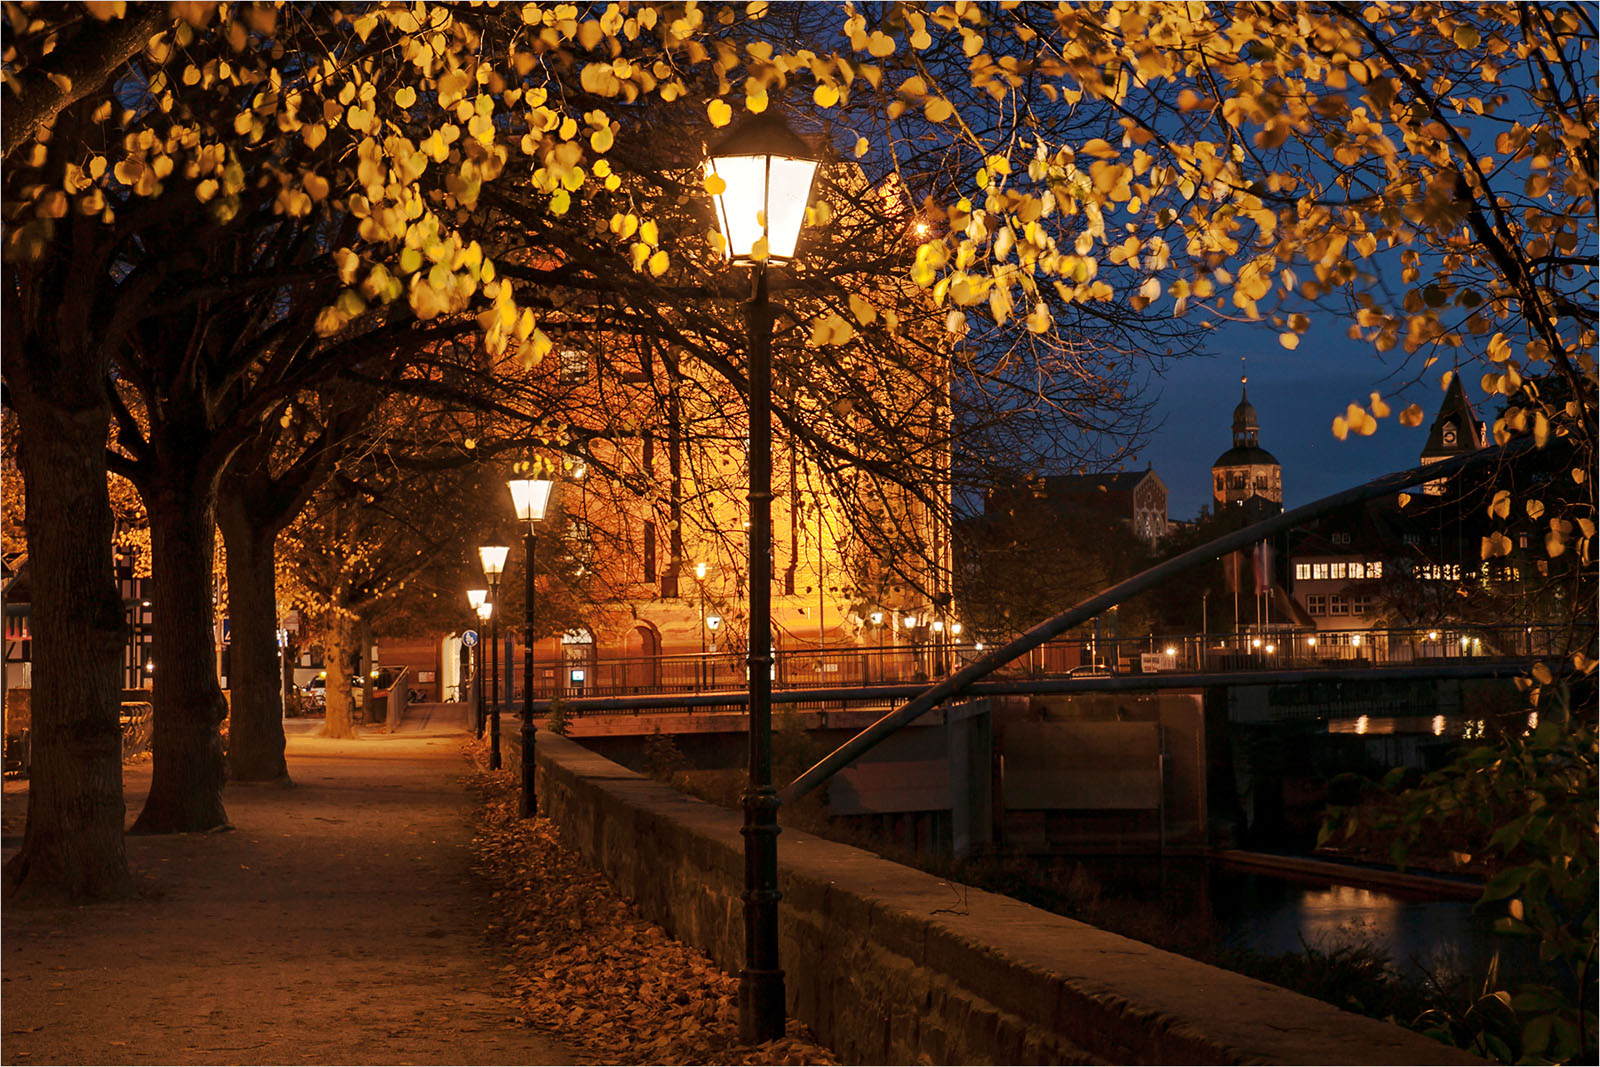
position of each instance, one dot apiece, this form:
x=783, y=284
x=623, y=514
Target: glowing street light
x=530, y=497
x=493, y=559
x=760, y=178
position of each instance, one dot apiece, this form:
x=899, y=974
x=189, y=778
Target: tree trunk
x=73, y=844
x=188, y=770
x=255, y=723
x=340, y=720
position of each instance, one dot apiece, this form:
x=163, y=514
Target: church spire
x=1246, y=430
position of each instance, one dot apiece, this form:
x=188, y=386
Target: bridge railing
x=1259, y=649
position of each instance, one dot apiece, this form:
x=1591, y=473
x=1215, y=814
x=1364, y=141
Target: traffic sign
x=469, y=638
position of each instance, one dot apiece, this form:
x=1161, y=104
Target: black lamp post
x=493, y=558
x=479, y=600
x=764, y=172
x=530, y=496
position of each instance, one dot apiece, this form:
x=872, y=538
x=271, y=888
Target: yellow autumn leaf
x=938, y=109
x=1412, y=415
x=861, y=147
x=825, y=95
x=405, y=96
x=719, y=112
x=1500, y=506
x=1379, y=408
x=863, y=310
x=755, y=101
x=1290, y=341
x=658, y=263
x=1341, y=429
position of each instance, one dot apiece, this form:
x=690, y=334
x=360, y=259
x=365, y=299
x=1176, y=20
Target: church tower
x=1456, y=431
x=1247, y=475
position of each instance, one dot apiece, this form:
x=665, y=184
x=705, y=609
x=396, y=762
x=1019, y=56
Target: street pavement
x=338, y=921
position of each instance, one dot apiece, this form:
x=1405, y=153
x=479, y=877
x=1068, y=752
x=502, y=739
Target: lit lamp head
x=713, y=621
x=700, y=571
x=476, y=597
x=877, y=618
x=955, y=629
x=910, y=622
x=530, y=496
x=765, y=171
x=938, y=626
x=493, y=558
x=485, y=610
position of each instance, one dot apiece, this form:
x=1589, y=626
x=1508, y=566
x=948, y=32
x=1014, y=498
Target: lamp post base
x=529, y=806
x=762, y=1009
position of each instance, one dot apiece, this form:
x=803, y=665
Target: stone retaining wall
x=891, y=965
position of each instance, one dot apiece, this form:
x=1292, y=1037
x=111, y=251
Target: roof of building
x=1246, y=456
x=1457, y=409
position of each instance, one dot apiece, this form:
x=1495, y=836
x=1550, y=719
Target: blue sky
x=1296, y=395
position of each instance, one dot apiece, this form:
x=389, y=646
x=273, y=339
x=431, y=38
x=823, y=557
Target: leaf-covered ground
x=590, y=970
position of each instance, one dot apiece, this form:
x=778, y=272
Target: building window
x=1302, y=572
x=1360, y=605
x=1375, y=569
x=1337, y=570
x=649, y=551
x=1319, y=571
x=1338, y=605
x=1317, y=604
x=574, y=366
x=1341, y=537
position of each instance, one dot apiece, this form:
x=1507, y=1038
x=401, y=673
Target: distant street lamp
x=760, y=175
x=477, y=598
x=877, y=624
x=700, y=580
x=493, y=558
x=713, y=623
x=530, y=496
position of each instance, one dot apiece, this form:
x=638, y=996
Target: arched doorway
x=641, y=664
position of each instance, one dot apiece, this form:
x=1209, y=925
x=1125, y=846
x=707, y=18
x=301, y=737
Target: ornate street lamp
x=530, y=496
x=493, y=558
x=765, y=173
x=476, y=599
x=700, y=580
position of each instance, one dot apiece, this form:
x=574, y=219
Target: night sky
x=1296, y=395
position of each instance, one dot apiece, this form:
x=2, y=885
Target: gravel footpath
x=337, y=922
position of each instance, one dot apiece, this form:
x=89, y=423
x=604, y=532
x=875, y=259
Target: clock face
x=1449, y=435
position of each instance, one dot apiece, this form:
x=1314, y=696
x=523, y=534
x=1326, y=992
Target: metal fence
x=870, y=665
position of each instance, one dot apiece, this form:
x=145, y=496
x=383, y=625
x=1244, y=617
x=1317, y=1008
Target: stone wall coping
x=1116, y=998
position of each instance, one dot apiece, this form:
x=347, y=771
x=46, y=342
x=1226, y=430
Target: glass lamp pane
x=476, y=597
x=493, y=558
x=741, y=204
x=485, y=610
x=786, y=203
x=530, y=496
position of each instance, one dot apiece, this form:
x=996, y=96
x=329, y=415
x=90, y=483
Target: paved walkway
x=337, y=923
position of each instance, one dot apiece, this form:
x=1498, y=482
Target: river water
x=1207, y=901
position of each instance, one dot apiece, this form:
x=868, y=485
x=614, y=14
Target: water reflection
x=1270, y=914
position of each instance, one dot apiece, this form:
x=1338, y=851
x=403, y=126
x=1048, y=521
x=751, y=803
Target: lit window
x=1319, y=570
x=1336, y=570
x=1302, y=572
x=574, y=366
